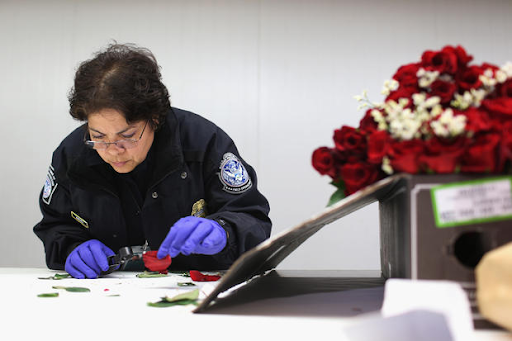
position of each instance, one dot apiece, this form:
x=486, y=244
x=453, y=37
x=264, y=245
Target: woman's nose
x=114, y=149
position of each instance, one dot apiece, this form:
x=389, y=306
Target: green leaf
x=164, y=304
x=150, y=274
x=49, y=294
x=56, y=276
x=186, y=284
x=189, y=297
x=336, y=196
x=72, y=289
x=184, y=274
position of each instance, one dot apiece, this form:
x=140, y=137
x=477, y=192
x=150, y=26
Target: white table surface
x=99, y=316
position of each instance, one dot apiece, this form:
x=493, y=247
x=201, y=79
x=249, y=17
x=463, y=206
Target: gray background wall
x=278, y=75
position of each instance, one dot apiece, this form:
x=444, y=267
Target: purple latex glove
x=193, y=235
x=88, y=259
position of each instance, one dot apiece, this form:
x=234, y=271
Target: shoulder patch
x=233, y=175
x=50, y=185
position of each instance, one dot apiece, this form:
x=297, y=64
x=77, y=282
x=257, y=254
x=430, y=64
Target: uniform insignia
x=199, y=209
x=50, y=185
x=81, y=220
x=233, y=175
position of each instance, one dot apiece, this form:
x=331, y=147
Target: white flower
x=389, y=85
x=365, y=101
x=419, y=98
x=507, y=68
x=471, y=98
x=478, y=96
x=488, y=78
x=386, y=166
x=425, y=78
x=448, y=125
x=436, y=111
x=501, y=76
x=362, y=106
x=432, y=101
x=379, y=118
x=377, y=115
x=439, y=129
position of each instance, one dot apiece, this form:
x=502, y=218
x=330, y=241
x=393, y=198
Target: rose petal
x=154, y=264
x=197, y=276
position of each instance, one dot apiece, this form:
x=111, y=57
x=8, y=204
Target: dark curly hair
x=125, y=78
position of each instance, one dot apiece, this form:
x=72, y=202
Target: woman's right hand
x=88, y=259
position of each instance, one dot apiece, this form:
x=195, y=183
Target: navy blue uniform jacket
x=81, y=199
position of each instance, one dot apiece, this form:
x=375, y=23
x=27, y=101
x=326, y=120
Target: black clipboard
x=267, y=255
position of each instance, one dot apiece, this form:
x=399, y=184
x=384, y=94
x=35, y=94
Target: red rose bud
x=323, y=161
x=444, y=90
x=378, y=146
x=154, y=264
x=197, y=276
x=469, y=78
x=444, y=61
x=358, y=175
x=480, y=156
x=499, y=107
x=506, y=89
x=350, y=140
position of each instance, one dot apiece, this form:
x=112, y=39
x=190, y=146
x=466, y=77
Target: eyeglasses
x=123, y=144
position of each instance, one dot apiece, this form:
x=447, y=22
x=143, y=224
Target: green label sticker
x=474, y=201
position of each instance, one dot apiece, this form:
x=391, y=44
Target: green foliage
x=186, y=284
x=189, y=297
x=150, y=274
x=49, y=294
x=72, y=289
x=339, y=194
x=57, y=276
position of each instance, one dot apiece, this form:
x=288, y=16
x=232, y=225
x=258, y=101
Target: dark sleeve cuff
x=231, y=244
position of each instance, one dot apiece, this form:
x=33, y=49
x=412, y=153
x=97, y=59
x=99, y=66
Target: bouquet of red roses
x=440, y=115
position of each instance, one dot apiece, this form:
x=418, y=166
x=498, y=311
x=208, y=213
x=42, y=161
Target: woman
x=141, y=173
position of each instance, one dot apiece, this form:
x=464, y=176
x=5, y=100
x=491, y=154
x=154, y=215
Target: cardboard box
x=417, y=243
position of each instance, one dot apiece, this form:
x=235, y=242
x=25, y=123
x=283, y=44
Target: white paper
x=446, y=297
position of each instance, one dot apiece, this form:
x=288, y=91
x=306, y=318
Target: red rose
x=487, y=66
x=407, y=82
x=367, y=123
x=480, y=156
x=404, y=155
x=477, y=120
x=444, y=61
x=505, y=89
x=358, y=175
x=443, y=155
x=462, y=57
x=469, y=78
x=406, y=75
x=323, y=161
x=505, y=151
x=348, y=139
x=378, y=146
x=444, y=90
x=499, y=107
x=402, y=92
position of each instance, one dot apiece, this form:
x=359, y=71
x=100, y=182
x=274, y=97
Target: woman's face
x=109, y=125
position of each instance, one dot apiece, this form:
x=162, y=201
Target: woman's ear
x=155, y=123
